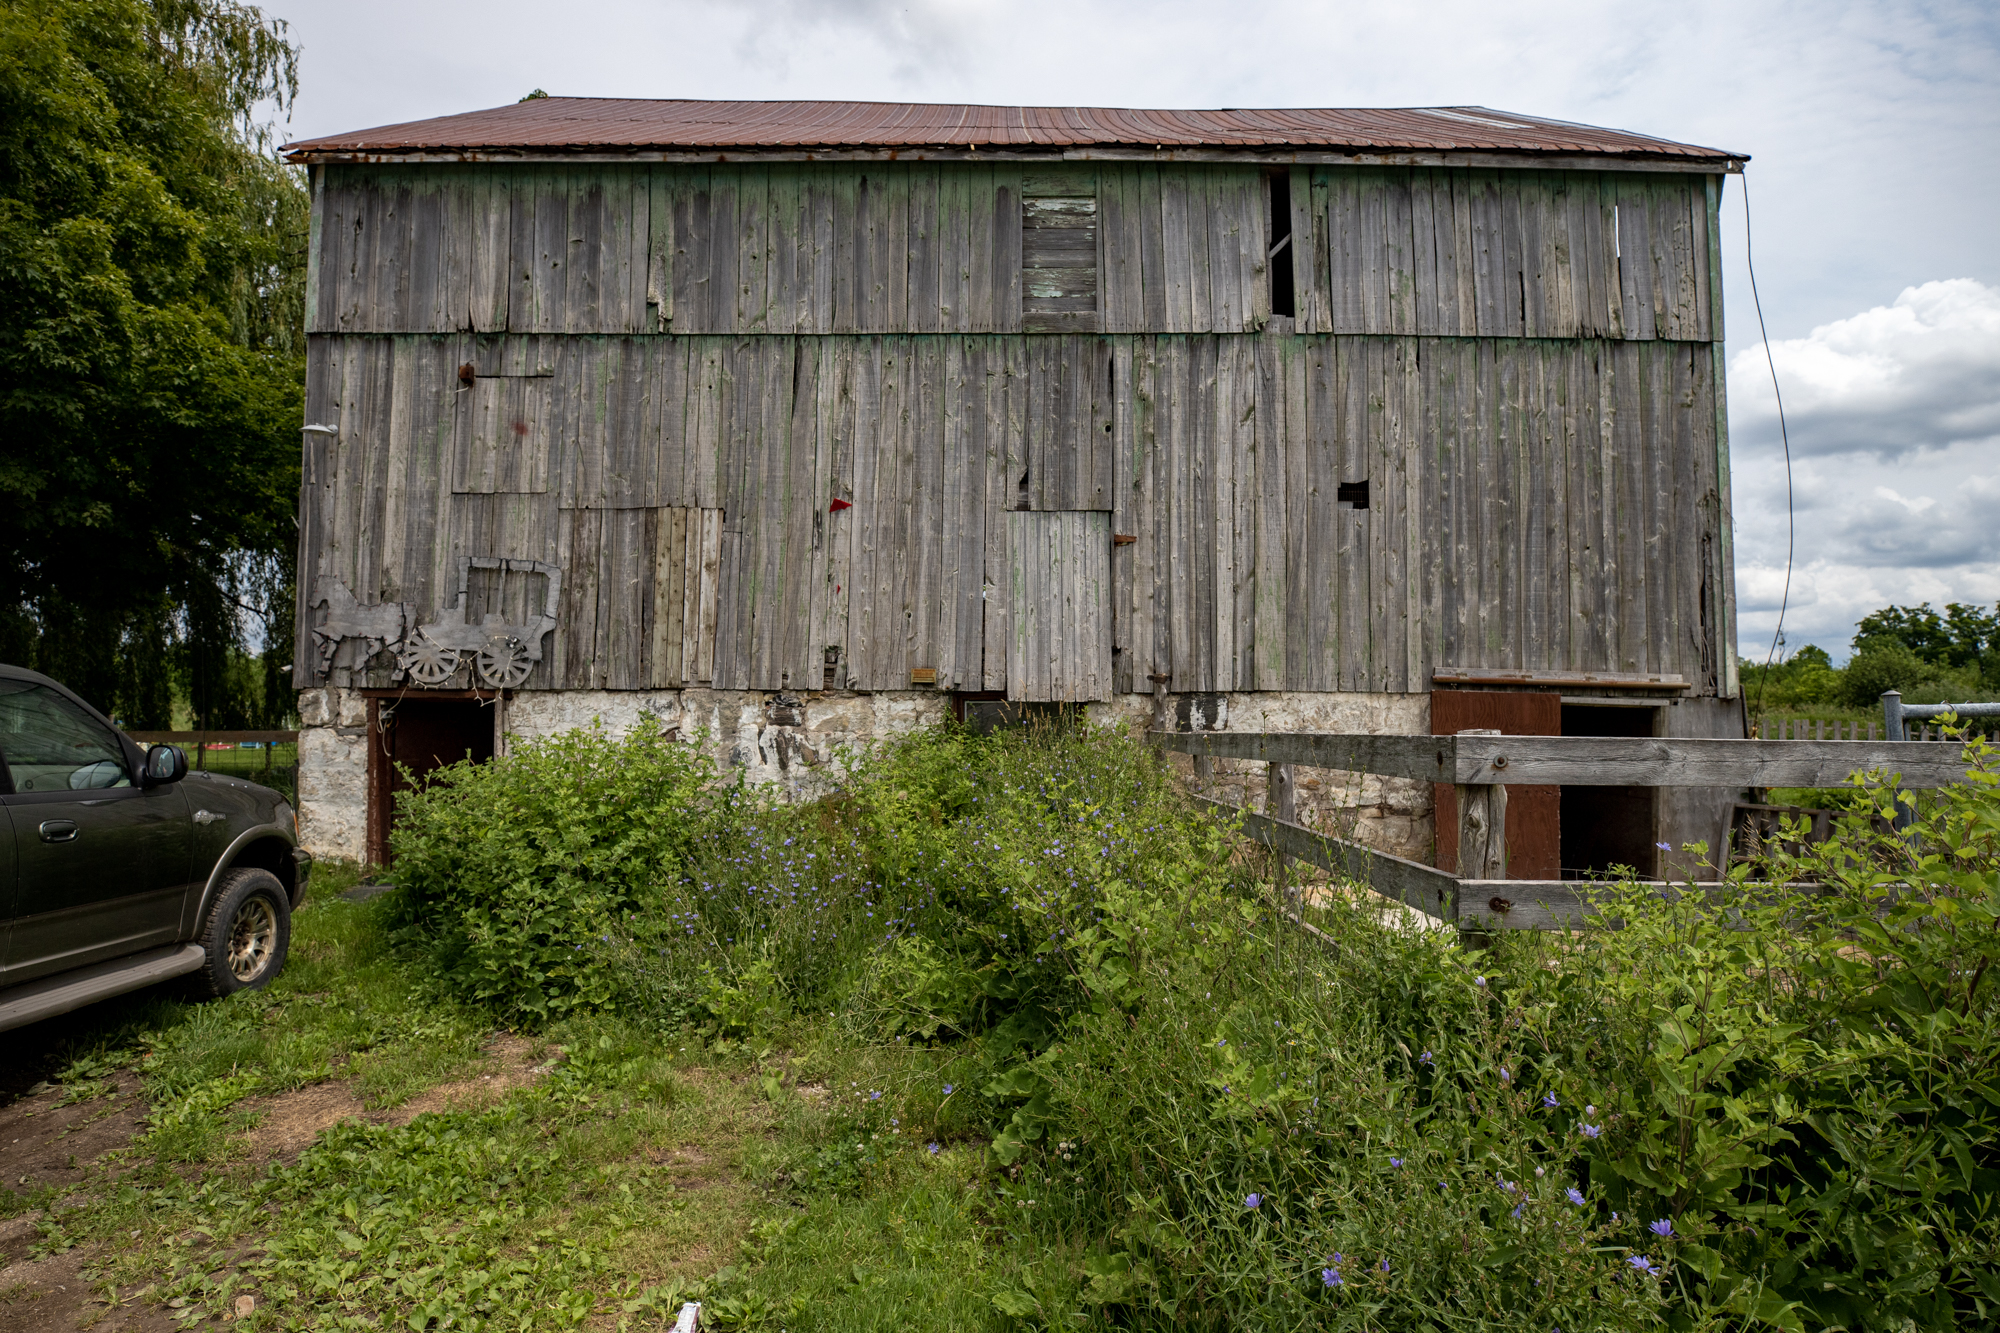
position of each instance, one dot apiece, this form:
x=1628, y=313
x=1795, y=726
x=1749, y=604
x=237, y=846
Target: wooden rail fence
x=1481, y=764
x=201, y=740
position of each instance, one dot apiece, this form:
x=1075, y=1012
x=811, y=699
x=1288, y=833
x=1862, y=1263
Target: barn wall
x=787, y=248
x=1534, y=504
x=1504, y=254
x=803, y=748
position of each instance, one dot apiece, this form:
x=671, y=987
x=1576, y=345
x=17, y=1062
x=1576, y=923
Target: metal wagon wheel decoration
x=504, y=663
x=427, y=661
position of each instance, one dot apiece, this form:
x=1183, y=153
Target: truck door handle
x=58, y=830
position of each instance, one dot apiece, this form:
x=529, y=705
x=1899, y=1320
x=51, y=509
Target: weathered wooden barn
x=800, y=423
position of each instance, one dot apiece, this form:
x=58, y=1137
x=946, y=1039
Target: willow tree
x=151, y=352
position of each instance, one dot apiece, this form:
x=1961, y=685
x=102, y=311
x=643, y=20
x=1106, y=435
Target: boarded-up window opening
x=1279, y=192
x=1059, y=264
x=687, y=561
x=1354, y=493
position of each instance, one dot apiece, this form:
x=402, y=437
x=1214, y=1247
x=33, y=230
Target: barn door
x=1059, y=646
x=1534, y=814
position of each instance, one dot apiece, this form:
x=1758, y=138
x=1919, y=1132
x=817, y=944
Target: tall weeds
x=1752, y=1108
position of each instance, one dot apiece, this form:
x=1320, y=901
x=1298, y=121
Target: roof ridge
x=568, y=123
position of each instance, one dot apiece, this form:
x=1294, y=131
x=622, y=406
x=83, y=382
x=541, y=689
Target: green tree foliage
x=1952, y=657
x=151, y=350
x=1963, y=637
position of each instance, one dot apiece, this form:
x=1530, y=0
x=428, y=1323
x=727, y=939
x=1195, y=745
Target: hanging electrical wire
x=1791, y=530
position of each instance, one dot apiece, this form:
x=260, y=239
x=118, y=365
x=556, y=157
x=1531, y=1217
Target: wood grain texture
x=1535, y=505
x=1059, y=646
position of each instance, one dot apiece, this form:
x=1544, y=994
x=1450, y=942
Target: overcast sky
x=1874, y=130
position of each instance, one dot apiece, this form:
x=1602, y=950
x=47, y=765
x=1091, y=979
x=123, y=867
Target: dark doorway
x=1605, y=827
x=1533, y=813
x=411, y=738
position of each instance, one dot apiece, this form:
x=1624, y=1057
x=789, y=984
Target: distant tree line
x=1931, y=657
x=152, y=258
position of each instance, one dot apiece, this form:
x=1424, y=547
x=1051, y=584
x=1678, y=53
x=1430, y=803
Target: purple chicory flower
x=1425, y=1059
x=1479, y=981
x=934, y=1150
x=1663, y=847
x=947, y=1089
x=1518, y=1207
x=1662, y=1228
x=874, y=1096
x=1575, y=1195
x=1505, y=1075
x=1252, y=1200
x=1331, y=1277
x=1592, y=1131
x=1385, y=1265
x=1644, y=1265
x=1395, y=1161
x=1549, y=1101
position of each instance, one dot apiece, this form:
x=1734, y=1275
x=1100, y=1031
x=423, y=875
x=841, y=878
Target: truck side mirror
x=165, y=764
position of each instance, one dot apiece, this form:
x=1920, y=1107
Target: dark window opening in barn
x=984, y=712
x=1605, y=827
x=1280, y=232
x=1059, y=264
x=1354, y=494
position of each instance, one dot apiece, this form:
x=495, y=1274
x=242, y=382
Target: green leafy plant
x=516, y=874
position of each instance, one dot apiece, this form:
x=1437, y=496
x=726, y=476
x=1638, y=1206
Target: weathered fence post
x=1482, y=825
x=1280, y=796
x=1281, y=802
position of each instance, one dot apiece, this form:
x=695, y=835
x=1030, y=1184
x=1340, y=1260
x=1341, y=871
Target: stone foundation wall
x=801, y=749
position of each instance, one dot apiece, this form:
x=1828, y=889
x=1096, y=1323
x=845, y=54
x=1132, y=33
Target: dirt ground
x=48, y=1141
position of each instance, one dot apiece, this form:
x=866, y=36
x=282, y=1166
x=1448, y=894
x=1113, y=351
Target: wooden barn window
x=1059, y=264
x=1278, y=191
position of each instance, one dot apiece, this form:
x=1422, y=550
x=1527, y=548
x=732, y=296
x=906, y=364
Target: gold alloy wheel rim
x=252, y=936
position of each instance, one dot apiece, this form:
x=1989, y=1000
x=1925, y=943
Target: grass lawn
x=347, y=1149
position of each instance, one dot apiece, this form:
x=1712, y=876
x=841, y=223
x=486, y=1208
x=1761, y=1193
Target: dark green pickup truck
x=120, y=869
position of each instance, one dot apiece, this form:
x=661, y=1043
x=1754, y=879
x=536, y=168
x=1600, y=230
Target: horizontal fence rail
x=1483, y=764
x=201, y=741
x=1582, y=761
x=1471, y=904
x=214, y=737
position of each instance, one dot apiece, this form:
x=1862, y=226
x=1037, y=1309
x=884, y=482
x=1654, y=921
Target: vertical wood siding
x=1503, y=254
x=1059, y=581
x=1533, y=503
x=897, y=248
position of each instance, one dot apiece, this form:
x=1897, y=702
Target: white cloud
x=1922, y=373
x=1894, y=417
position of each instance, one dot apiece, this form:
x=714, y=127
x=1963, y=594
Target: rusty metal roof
x=554, y=125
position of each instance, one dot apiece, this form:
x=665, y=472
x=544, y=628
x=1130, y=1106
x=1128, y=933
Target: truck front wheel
x=248, y=931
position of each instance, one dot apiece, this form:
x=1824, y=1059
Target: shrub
x=1880, y=667
x=518, y=872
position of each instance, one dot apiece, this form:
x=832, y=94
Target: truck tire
x=247, y=934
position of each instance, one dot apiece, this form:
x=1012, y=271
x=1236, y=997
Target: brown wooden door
x=411, y=738
x=1534, y=814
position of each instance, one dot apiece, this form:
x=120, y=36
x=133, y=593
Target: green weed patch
x=1009, y=1035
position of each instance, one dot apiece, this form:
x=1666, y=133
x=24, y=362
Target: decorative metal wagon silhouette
x=502, y=654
